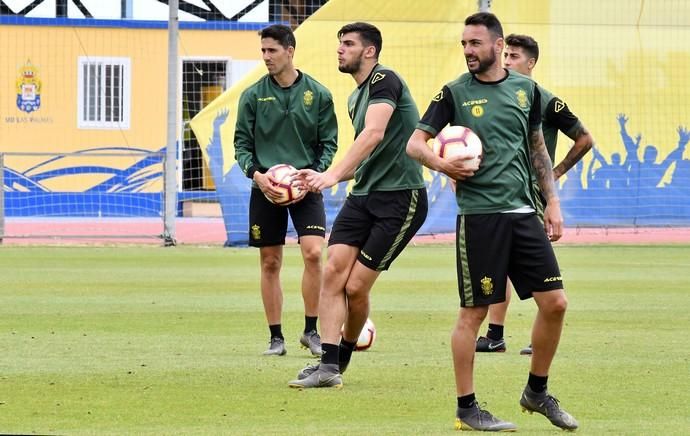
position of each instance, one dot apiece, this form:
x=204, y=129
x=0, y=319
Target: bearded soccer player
x=386, y=207
x=499, y=234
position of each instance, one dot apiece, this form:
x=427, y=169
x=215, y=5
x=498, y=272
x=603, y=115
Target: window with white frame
x=104, y=93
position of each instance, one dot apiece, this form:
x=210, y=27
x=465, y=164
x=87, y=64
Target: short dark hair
x=281, y=33
x=528, y=44
x=488, y=20
x=369, y=34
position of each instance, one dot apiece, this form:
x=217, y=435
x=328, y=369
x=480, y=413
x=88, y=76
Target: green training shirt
x=388, y=167
x=502, y=114
x=294, y=125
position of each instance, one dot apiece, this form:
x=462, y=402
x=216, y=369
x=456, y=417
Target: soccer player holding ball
x=386, y=207
x=499, y=234
x=286, y=117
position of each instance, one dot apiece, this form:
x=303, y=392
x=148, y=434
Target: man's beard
x=484, y=64
x=351, y=68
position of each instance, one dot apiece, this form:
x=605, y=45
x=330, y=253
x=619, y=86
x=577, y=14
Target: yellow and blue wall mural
x=62, y=158
x=621, y=66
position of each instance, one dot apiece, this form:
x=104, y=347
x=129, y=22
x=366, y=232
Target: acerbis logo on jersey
x=377, y=77
x=558, y=106
x=476, y=110
x=438, y=97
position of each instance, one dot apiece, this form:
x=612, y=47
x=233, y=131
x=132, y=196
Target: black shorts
x=491, y=247
x=268, y=221
x=380, y=224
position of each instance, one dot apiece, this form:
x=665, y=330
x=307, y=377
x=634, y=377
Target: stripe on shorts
x=464, y=265
x=411, y=210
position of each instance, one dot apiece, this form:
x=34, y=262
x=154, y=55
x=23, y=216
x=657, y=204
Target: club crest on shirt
x=308, y=98
x=377, y=77
x=487, y=286
x=521, y=98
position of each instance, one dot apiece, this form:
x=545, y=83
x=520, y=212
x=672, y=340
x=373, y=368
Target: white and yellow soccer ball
x=281, y=178
x=458, y=141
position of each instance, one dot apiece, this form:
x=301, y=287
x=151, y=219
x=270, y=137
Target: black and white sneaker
x=488, y=345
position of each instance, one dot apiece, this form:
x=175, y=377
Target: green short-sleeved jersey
x=294, y=125
x=388, y=167
x=502, y=114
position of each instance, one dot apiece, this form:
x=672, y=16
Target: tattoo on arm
x=574, y=154
x=541, y=163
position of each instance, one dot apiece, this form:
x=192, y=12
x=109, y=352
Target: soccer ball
x=367, y=336
x=458, y=141
x=281, y=177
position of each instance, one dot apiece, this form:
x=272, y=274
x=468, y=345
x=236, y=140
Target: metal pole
x=484, y=5
x=170, y=161
x=2, y=197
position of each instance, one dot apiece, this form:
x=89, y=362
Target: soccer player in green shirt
x=499, y=234
x=386, y=207
x=521, y=55
x=286, y=117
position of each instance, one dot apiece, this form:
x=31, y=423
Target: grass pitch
x=168, y=341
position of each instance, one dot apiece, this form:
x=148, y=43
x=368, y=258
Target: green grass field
x=168, y=341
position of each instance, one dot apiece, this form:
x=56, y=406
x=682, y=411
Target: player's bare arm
x=541, y=162
x=583, y=142
x=454, y=167
x=375, y=123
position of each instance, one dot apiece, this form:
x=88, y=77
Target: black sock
x=345, y=349
x=330, y=354
x=276, y=331
x=310, y=323
x=495, y=332
x=466, y=401
x=537, y=383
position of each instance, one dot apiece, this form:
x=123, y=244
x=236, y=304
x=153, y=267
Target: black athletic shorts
x=380, y=224
x=491, y=247
x=268, y=221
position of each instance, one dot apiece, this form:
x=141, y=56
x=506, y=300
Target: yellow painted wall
x=610, y=57
x=54, y=52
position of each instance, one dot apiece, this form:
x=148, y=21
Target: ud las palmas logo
x=28, y=88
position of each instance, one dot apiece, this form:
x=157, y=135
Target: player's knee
x=357, y=301
x=271, y=264
x=312, y=256
x=557, y=306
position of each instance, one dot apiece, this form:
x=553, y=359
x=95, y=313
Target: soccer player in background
x=386, y=207
x=521, y=54
x=286, y=117
x=499, y=234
